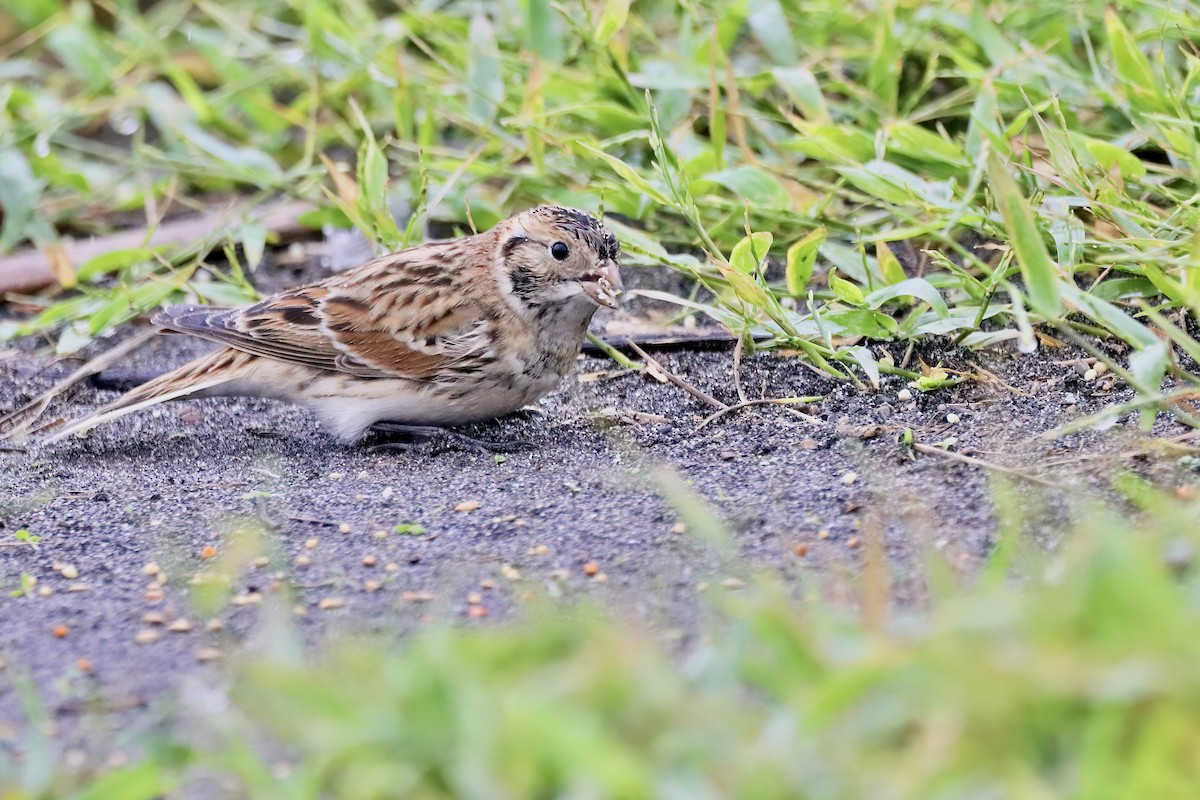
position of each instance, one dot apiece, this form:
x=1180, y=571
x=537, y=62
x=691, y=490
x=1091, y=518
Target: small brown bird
x=441, y=334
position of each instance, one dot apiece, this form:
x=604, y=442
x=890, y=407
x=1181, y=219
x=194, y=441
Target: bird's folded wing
x=341, y=330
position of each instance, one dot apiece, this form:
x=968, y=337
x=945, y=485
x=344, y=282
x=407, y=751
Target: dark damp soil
x=167, y=537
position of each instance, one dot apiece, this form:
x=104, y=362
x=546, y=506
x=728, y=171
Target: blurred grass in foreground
x=868, y=147
x=1069, y=675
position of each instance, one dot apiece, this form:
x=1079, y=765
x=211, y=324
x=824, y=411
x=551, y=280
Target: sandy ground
x=166, y=537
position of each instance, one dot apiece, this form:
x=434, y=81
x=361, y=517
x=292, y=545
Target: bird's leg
x=414, y=436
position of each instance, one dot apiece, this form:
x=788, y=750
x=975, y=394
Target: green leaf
x=631, y=175
x=1037, y=270
x=804, y=91
x=889, y=266
x=485, y=75
x=616, y=12
x=912, y=287
x=753, y=184
x=1132, y=65
x=114, y=261
x=866, y=359
x=750, y=251
x=801, y=257
x=845, y=291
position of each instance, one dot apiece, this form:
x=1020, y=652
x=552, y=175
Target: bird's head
x=552, y=255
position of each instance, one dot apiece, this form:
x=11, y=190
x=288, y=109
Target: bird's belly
x=348, y=407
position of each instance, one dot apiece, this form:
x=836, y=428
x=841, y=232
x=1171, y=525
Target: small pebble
x=538, y=550
x=467, y=505
x=369, y=561
x=69, y=572
x=728, y=455
x=60, y=631
x=849, y=478
x=336, y=476
x=205, y=654
x=477, y=612
x=904, y=395
x=372, y=585
x=801, y=550
x=330, y=603
x=363, y=475
x=387, y=493
x=679, y=527
x=591, y=568
x=823, y=533
x=180, y=625
x=261, y=562
x=380, y=534
x=154, y=618
x=344, y=528
x=600, y=577
x=146, y=636
x=487, y=583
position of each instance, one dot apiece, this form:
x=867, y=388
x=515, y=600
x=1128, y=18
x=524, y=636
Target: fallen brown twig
x=700, y=395
x=930, y=450
x=30, y=270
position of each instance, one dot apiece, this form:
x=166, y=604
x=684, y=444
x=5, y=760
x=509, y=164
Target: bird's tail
x=195, y=377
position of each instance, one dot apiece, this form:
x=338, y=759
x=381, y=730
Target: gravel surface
x=167, y=537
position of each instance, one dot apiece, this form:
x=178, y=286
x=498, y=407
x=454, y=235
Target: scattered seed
x=151, y=569
x=728, y=455
x=809, y=444
x=336, y=476
x=344, y=527
x=78, y=587
x=801, y=550
x=261, y=562
x=953, y=419
x=311, y=544
x=302, y=560
x=591, y=568
x=487, y=583
x=369, y=561
x=467, y=505
x=300, y=610
x=416, y=597
x=154, y=595
x=250, y=598
x=1090, y=375
x=363, y=475
x=904, y=395
x=180, y=625
x=474, y=599
x=45, y=591
x=372, y=585
x=823, y=533
x=330, y=603
x=849, y=478
x=214, y=625
x=205, y=654
x=154, y=618
x=83, y=665
x=477, y=612
x=1100, y=368
x=679, y=527
x=69, y=572
x=387, y=493
x=208, y=551
x=1186, y=492
x=60, y=631
x=853, y=542
x=391, y=566
x=146, y=636
x=538, y=550
x=3, y=664
x=380, y=534
x=510, y=572
x=732, y=583
x=600, y=577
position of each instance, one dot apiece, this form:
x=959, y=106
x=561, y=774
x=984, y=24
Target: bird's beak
x=607, y=286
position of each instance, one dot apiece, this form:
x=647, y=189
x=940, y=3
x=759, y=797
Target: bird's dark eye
x=560, y=251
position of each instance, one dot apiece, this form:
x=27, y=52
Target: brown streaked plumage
x=440, y=334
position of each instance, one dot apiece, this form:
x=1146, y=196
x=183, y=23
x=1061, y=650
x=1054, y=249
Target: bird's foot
x=412, y=437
